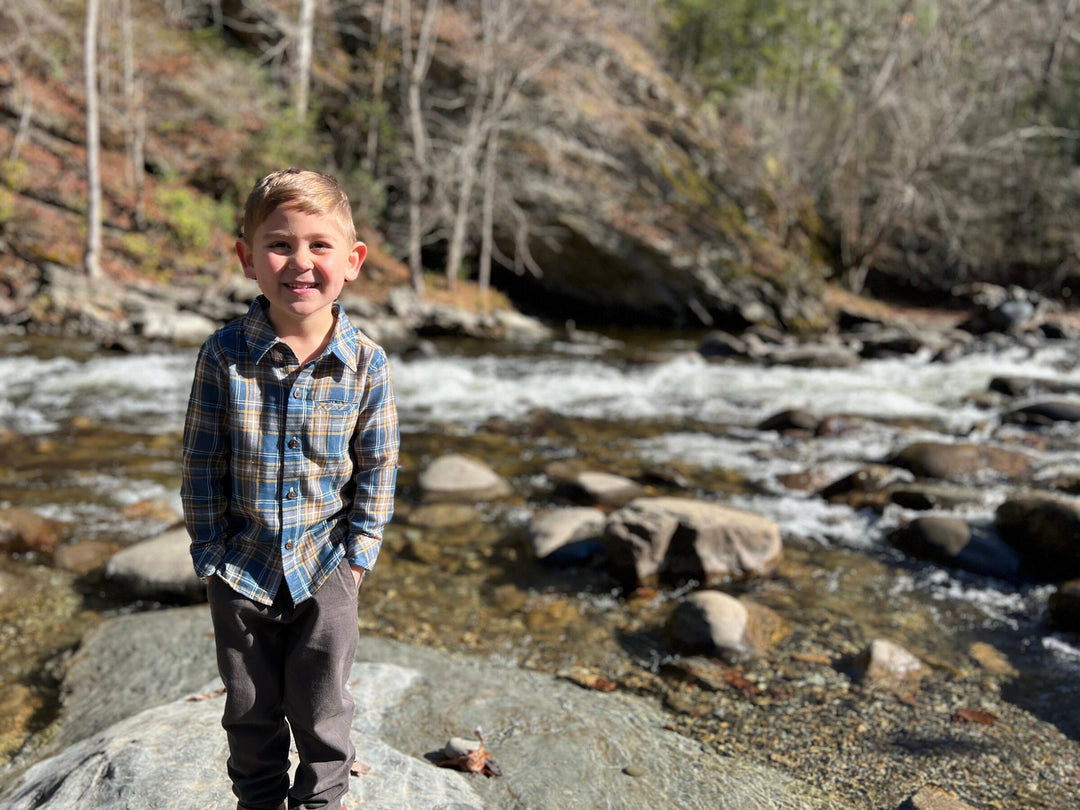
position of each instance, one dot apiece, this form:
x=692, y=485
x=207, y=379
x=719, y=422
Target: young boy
x=290, y=454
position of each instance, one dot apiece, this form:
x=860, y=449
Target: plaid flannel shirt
x=287, y=469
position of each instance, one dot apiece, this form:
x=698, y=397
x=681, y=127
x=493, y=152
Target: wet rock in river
x=716, y=623
x=1045, y=531
x=679, y=539
x=884, y=663
x=1064, y=607
x=22, y=530
x=991, y=659
x=881, y=342
x=1015, y=386
x=567, y=536
x=810, y=355
x=456, y=477
x=717, y=345
x=593, y=487
x=923, y=495
x=952, y=462
x=444, y=516
x=790, y=420
x=863, y=487
x=951, y=541
x=158, y=568
x=1040, y=414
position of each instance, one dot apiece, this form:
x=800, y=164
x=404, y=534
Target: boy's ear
x=356, y=258
x=243, y=252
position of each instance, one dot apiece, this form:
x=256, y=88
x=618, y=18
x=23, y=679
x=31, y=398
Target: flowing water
x=92, y=439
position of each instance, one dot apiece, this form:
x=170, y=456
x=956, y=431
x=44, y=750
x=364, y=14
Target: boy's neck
x=307, y=338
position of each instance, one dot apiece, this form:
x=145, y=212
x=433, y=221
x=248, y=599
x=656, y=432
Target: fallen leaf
x=590, y=681
x=974, y=716
x=737, y=681
x=477, y=761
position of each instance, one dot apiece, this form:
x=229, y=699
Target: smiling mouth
x=298, y=286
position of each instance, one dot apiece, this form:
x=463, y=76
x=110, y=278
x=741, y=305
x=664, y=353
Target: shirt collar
x=261, y=337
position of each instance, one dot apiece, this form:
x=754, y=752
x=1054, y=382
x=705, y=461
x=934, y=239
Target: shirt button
x=293, y=443
x=296, y=394
x=291, y=494
x=288, y=546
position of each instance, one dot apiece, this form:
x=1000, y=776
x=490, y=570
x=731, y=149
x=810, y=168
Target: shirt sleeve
x=375, y=452
x=204, y=487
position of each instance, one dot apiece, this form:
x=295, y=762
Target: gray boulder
x=716, y=623
x=679, y=539
x=158, y=568
x=456, y=477
x=596, y=487
x=559, y=746
x=567, y=536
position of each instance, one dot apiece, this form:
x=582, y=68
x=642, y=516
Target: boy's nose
x=303, y=259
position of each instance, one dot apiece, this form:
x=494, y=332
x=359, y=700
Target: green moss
x=195, y=218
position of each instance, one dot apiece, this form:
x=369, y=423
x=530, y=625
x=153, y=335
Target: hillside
x=618, y=197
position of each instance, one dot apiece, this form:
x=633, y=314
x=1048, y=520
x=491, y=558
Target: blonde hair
x=308, y=191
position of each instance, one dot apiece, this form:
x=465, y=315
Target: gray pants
x=287, y=662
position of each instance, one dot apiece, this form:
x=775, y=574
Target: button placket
x=295, y=416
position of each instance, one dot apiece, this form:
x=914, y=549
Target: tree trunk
x=135, y=115
x=92, y=258
x=378, y=84
x=417, y=67
x=302, y=78
x=487, y=222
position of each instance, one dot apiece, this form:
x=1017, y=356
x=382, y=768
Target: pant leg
x=250, y=639
x=322, y=647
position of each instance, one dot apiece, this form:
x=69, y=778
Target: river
x=91, y=436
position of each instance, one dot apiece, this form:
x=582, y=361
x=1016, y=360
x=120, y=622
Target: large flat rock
x=558, y=745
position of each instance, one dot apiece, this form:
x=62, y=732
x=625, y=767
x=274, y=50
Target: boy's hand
x=358, y=574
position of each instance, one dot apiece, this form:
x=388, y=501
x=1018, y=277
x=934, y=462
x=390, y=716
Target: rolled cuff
x=363, y=550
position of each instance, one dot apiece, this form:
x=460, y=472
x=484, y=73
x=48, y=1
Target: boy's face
x=301, y=261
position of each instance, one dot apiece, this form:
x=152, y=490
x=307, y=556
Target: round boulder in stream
x=461, y=478
x=952, y=542
x=718, y=624
x=1045, y=531
x=953, y=462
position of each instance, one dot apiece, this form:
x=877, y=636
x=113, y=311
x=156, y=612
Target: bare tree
x=378, y=86
x=416, y=67
x=134, y=118
x=507, y=60
x=92, y=257
x=305, y=35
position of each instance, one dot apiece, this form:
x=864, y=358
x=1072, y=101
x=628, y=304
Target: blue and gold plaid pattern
x=287, y=469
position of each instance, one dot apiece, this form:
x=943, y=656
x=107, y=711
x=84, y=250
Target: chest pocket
x=331, y=429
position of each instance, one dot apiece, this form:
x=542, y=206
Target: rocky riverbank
x=577, y=573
